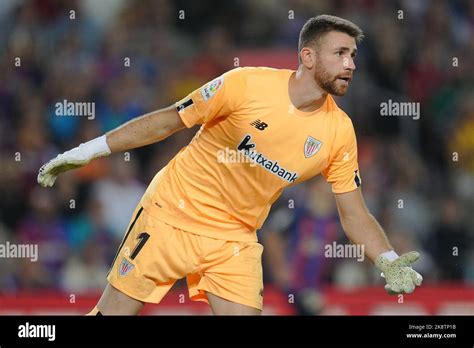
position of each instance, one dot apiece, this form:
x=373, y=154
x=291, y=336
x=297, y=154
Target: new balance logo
x=259, y=124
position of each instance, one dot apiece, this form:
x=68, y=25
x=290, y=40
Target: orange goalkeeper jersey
x=252, y=144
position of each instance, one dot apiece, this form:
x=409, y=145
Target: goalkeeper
x=199, y=216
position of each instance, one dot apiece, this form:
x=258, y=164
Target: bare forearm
x=144, y=130
x=369, y=233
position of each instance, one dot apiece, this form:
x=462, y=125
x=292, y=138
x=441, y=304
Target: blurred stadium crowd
x=418, y=175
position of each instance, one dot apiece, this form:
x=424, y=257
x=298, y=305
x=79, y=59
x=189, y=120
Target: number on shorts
x=143, y=237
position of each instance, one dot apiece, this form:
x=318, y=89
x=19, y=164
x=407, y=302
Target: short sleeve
x=217, y=98
x=343, y=169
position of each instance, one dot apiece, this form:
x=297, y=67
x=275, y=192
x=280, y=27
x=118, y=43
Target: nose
x=349, y=64
x=353, y=66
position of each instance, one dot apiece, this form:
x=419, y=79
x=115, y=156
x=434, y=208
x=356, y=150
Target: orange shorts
x=154, y=255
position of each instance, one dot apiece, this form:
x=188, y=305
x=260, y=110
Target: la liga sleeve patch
x=211, y=88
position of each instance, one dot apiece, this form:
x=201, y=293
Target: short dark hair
x=317, y=26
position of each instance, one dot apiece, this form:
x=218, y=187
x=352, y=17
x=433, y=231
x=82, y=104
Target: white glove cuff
x=97, y=147
x=390, y=255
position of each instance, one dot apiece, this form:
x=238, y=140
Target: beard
x=328, y=82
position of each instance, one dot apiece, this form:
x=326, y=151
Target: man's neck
x=305, y=94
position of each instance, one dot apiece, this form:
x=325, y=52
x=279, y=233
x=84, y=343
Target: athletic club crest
x=311, y=146
x=125, y=267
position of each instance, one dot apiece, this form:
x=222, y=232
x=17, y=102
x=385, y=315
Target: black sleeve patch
x=184, y=105
x=357, y=178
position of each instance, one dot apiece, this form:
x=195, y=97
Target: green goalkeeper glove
x=399, y=275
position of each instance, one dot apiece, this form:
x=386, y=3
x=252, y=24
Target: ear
x=307, y=56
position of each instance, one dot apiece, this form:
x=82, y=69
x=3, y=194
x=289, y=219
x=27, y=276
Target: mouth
x=345, y=80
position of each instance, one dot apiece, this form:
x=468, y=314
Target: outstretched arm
x=359, y=225
x=141, y=131
x=145, y=130
x=363, y=229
